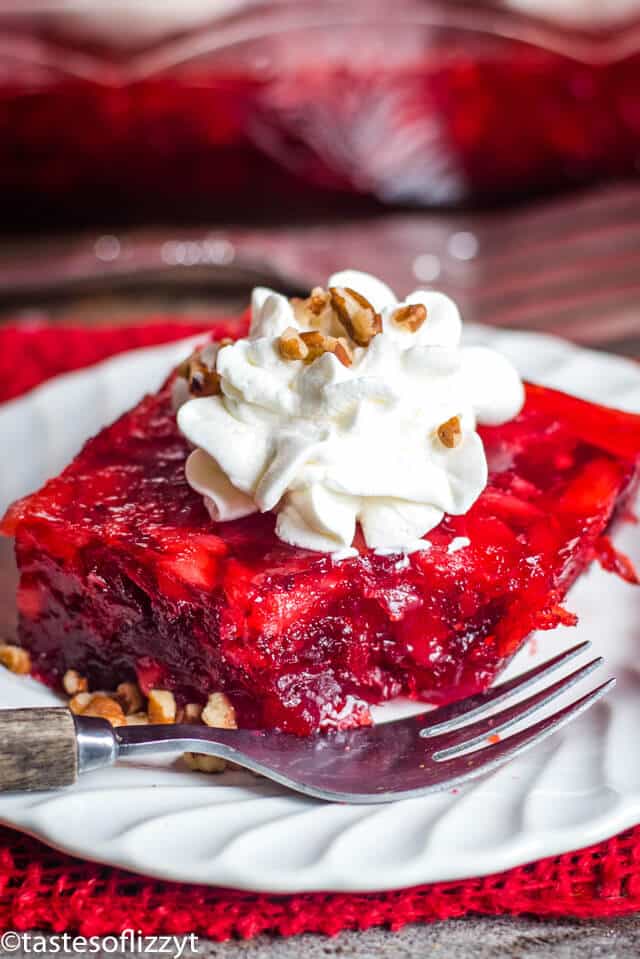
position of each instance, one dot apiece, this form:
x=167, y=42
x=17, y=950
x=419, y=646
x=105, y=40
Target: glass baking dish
x=144, y=111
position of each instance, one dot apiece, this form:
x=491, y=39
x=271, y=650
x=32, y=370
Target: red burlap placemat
x=40, y=888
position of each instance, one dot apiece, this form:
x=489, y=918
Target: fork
x=46, y=748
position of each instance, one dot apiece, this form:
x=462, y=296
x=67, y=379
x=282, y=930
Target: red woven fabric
x=43, y=889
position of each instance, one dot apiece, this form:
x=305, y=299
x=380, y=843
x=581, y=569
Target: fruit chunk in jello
x=123, y=575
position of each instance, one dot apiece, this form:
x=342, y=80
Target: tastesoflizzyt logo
x=67, y=944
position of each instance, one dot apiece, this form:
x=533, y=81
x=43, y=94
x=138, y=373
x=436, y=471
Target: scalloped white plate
x=577, y=788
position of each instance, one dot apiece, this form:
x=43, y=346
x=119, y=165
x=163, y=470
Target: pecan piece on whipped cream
x=450, y=433
x=316, y=311
x=410, y=317
x=292, y=346
x=356, y=314
x=319, y=343
x=202, y=379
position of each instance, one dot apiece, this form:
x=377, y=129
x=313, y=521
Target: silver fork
x=47, y=748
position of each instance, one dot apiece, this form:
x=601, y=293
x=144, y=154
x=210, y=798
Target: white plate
x=577, y=788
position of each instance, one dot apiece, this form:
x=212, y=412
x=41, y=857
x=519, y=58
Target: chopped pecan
x=343, y=351
x=16, y=659
x=358, y=317
x=99, y=705
x=319, y=300
x=137, y=719
x=319, y=343
x=182, y=370
x=219, y=712
x=450, y=433
x=130, y=698
x=204, y=764
x=411, y=316
x=78, y=703
x=189, y=713
x=73, y=683
x=292, y=346
x=202, y=380
x=315, y=311
x=161, y=706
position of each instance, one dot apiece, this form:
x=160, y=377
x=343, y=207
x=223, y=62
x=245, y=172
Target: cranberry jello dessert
x=341, y=508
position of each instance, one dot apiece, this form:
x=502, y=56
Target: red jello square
x=124, y=576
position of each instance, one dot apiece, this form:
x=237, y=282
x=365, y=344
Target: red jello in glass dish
x=125, y=576
x=305, y=103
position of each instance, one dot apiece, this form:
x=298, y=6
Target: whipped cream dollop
x=383, y=435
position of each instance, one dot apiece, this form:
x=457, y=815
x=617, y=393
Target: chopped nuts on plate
x=190, y=713
x=73, y=682
x=15, y=659
x=200, y=763
x=219, y=712
x=130, y=698
x=161, y=706
x=126, y=707
x=99, y=705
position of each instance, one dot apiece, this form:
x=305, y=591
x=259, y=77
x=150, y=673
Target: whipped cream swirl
x=328, y=445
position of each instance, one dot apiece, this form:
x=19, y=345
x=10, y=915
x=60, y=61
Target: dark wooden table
x=569, y=266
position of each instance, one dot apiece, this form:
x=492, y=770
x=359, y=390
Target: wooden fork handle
x=38, y=749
